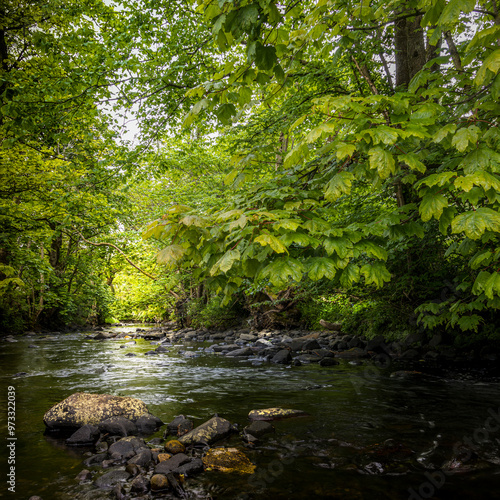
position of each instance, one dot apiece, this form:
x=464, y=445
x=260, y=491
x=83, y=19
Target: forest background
x=294, y=161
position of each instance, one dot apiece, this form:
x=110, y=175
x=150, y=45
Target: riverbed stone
x=213, y=430
x=108, y=480
x=310, y=345
x=159, y=482
x=126, y=447
x=245, y=351
x=228, y=460
x=142, y=458
x=309, y=358
x=84, y=408
x=147, y=423
x=174, y=446
x=258, y=428
x=84, y=436
x=84, y=476
x=327, y=361
x=282, y=357
x=172, y=463
x=275, y=414
x=95, y=459
x=179, y=426
x=118, y=426
x=191, y=468
x=354, y=353
x=140, y=484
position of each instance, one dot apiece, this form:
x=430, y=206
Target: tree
x=428, y=145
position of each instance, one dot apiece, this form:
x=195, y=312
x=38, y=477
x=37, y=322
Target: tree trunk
x=410, y=49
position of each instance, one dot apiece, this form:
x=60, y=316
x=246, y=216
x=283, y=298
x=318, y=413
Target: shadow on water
x=366, y=437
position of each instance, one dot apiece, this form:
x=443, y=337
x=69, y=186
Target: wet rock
x=133, y=469
x=245, y=351
x=309, y=358
x=147, y=424
x=282, y=357
x=84, y=476
x=130, y=354
x=118, y=426
x=159, y=482
x=95, y=459
x=228, y=460
x=275, y=414
x=140, y=484
x=213, y=430
x=296, y=362
x=172, y=463
x=296, y=345
x=356, y=342
x=174, y=446
x=414, y=338
x=191, y=468
x=163, y=456
x=354, y=353
x=310, y=345
x=151, y=353
x=84, y=436
x=248, y=337
x=161, y=349
x=335, y=327
x=179, y=426
x=108, y=480
x=376, y=344
x=83, y=408
x=258, y=428
x=35, y=497
x=126, y=448
x=142, y=458
x=263, y=343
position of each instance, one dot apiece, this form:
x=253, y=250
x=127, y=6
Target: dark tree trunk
x=411, y=54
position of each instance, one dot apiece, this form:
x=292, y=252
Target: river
x=367, y=435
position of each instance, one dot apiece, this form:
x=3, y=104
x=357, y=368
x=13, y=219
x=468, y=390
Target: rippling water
x=367, y=436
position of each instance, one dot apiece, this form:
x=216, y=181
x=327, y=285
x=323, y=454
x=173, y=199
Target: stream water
x=367, y=436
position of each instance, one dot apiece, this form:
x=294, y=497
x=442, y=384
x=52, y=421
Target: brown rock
x=173, y=446
x=159, y=482
x=163, y=456
x=83, y=408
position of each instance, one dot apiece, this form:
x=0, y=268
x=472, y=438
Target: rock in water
x=213, y=430
x=275, y=414
x=84, y=436
x=83, y=408
x=228, y=460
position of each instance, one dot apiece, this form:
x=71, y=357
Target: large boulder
x=213, y=430
x=228, y=460
x=83, y=408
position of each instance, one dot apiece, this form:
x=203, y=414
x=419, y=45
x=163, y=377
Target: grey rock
x=126, y=447
x=84, y=436
x=108, y=480
x=118, y=426
x=282, y=357
x=147, y=424
x=95, y=459
x=246, y=351
x=258, y=428
x=191, y=468
x=172, y=463
x=328, y=362
x=213, y=430
x=142, y=458
x=140, y=484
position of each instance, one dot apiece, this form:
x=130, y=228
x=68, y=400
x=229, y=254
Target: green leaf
x=432, y=205
x=282, y=270
x=383, y=134
x=475, y=223
x=291, y=224
x=272, y=241
x=376, y=274
x=344, y=150
x=464, y=137
x=371, y=248
x=170, y=255
x=492, y=64
x=265, y=56
x=342, y=246
x=350, y=275
x=492, y=285
x=338, y=185
x=481, y=258
x=382, y=161
x=413, y=162
x=445, y=219
x=192, y=220
x=225, y=112
x=321, y=267
x=225, y=263
x=443, y=132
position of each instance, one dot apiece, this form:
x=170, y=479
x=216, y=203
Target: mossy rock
x=228, y=460
x=275, y=414
x=84, y=408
